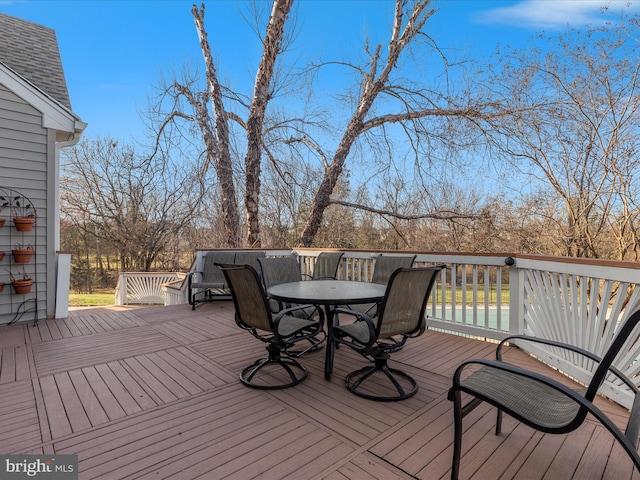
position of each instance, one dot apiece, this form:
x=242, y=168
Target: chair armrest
x=572, y=348
x=545, y=341
x=353, y=313
x=287, y=311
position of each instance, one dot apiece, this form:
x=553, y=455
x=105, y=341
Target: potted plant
x=22, y=253
x=24, y=214
x=22, y=284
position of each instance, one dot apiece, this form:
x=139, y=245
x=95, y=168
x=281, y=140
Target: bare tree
x=135, y=203
x=413, y=102
x=579, y=132
x=286, y=136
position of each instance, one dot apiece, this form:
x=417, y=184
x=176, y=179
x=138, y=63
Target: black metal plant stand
x=19, y=241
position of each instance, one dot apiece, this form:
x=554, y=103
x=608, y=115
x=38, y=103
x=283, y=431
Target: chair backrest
x=249, y=299
x=249, y=257
x=387, y=264
x=277, y=270
x=327, y=265
x=403, y=306
x=210, y=272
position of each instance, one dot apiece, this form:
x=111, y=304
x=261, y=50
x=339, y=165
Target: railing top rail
x=155, y=274
x=605, y=269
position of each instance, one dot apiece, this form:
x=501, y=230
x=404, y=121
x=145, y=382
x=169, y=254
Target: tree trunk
x=217, y=143
x=261, y=96
x=372, y=84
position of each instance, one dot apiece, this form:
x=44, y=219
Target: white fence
x=488, y=296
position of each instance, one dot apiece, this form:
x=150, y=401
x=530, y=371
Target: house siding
x=24, y=149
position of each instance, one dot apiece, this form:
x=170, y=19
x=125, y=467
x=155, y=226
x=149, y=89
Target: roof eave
x=54, y=115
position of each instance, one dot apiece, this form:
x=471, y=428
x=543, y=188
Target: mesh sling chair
x=279, y=332
x=278, y=270
x=542, y=402
x=248, y=257
x=400, y=317
x=385, y=265
x=326, y=265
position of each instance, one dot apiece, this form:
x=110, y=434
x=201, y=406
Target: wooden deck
x=153, y=393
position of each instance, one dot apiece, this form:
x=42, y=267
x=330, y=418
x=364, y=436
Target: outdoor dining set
x=295, y=316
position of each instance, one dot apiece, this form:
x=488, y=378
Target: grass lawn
x=99, y=298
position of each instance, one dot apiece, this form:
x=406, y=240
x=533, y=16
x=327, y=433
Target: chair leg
x=287, y=364
x=355, y=379
x=499, y=422
x=457, y=434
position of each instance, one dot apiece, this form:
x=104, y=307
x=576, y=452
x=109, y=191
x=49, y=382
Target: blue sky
x=113, y=52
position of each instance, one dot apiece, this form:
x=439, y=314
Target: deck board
x=154, y=393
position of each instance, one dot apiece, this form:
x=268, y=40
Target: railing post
x=63, y=285
x=516, y=297
x=121, y=297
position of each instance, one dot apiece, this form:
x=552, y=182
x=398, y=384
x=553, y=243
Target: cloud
x=551, y=14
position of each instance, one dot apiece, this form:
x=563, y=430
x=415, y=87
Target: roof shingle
x=31, y=50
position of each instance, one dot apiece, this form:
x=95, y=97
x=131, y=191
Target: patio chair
x=278, y=270
x=326, y=266
x=279, y=332
x=541, y=402
x=401, y=316
x=202, y=286
x=385, y=265
x=249, y=257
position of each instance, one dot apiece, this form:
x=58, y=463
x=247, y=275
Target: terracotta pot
x=22, y=287
x=24, y=224
x=22, y=256
x=2, y=220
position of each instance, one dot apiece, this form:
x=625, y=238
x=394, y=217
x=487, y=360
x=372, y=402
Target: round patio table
x=328, y=293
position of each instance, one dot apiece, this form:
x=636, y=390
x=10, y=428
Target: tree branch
x=443, y=215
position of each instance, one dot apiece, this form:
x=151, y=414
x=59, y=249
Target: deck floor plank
x=65, y=354
x=118, y=390
x=78, y=418
x=90, y=402
x=105, y=396
x=19, y=421
x=154, y=393
x=56, y=413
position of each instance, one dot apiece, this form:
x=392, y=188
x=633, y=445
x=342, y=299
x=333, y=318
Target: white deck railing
x=575, y=301
x=148, y=288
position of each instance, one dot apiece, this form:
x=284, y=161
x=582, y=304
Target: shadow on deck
x=153, y=393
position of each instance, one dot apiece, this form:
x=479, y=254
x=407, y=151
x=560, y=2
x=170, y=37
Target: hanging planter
x=22, y=284
x=22, y=254
x=23, y=213
x=2, y=284
x=24, y=224
x=2, y=220
x=1, y=256
x=22, y=287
